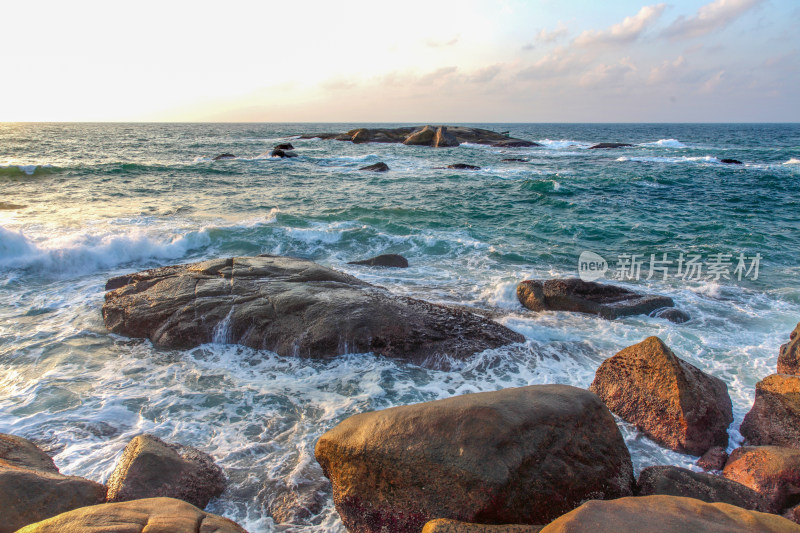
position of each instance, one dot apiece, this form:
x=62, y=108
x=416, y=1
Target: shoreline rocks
x=714, y=459
x=772, y=471
x=482, y=457
x=789, y=357
x=671, y=401
x=427, y=135
x=775, y=416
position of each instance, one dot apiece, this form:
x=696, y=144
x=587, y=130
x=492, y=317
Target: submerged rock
x=463, y=166
x=292, y=307
x=516, y=159
x=609, y=145
x=576, y=295
x=714, y=459
x=730, y=161
x=671, y=401
x=789, y=358
x=281, y=153
x=772, y=471
x=384, y=260
x=150, y=467
x=224, y=156
x=673, y=314
x=775, y=416
x=377, y=167
x=283, y=146
x=522, y=455
x=152, y=515
x=32, y=489
x=666, y=514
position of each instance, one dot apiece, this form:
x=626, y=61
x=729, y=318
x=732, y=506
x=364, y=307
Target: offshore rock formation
x=435, y=136
x=383, y=260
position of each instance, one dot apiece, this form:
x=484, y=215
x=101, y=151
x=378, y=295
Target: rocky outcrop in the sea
x=673, y=314
x=293, y=307
x=277, y=152
x=32, y=489
x=224, y=156
x=671, y=401
x=152, y=515
x=150, y=468
x=772, y=471
x=283, y=146
x=789, y=358
x=714, y=459
x=463, y=166
x=730, y=161
x=576, y=295
x=666, y=514
x=609, y=145
x=522, y=455
x=775, y=416
x=675, y=481
x=444, y=525
x=377, y=167
x=383, y=260
x=435, y=136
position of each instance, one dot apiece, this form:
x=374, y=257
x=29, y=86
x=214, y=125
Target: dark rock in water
x=514, y=143
x=673, y=314
x=731, y=161
x=32, y=489
x=444, y=525
x=150, y=468
x=224, y=156
x=516, y=159
x=576, y=295
x=377, y=167
x=361, y=135
x=514, y=456
x=714, y=459
x=463, y=166
x=443, y=139
x=775, y=416
x=609, y=145
x=671, y=401
x=292, y=307
x=281, y=153
x=789, y=357
x=772, y=471
x=385, y=260
x=436, y=136
x=666, y=514
x=423, y=137
x=151, y=515
x=284, y=146
x=675, y=481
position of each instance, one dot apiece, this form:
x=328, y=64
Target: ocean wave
x=665, y=143
x=672, y=160
x=792, y=161
x=563, y=143
x=18, y=171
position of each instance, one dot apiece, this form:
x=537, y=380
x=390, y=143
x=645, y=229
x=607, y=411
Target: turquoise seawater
x=83, y=202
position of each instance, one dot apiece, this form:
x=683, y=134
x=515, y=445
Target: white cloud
x=433, y=43
x=554, y=35
x=614, y=74
x=623, y=32
x=666, y=71
x=709, y=17
x=711, y=85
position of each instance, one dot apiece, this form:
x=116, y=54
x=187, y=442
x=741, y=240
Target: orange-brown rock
x=714, y=459
x=444, y=525
x=775, y=416
x=772, y=471
x=671, y=401
x=789, y=358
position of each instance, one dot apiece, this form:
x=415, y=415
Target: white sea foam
x=792, y=161
x=665, y=143
x=563, y=143
x=672, y=160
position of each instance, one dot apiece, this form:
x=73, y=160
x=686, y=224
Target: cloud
x=554, y=35
x=558, y=62
x=711, y=85
x=484, y=75
x=432, y=43
x=623, y=32
x=710, y=17
x=612, y=73
x=666, y=71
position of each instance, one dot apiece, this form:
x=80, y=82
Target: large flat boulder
x=667, y=514
x=789, y=357
x=152, y=515
x=772, y=471
x=150, y=467
x=32, y=489
x=515, y=456
x=293, y=307
x=671, y=401
x=443, y=525
x=578, y=296
x=775, y=416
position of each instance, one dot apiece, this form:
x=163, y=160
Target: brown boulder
x=152, y=515
x=576, y=295
x=789, y=358
x=383, y=260
x=793, y=514
x=443, y=139
x=772, y=471
x=31, y=489
x=666, y=514
x=293, y=307
x=444, y=525
x=775, y=416
x=675, y=481
x=421, y=137
x=673, y=402
x=514, y=456
x=714, y=459
x=150, y=467
x=361, y=135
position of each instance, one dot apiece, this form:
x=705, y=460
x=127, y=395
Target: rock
x=673, y=314
x=514, y=456
x=789, y=358
x=666, y=514
x=793, y=514
x=714, y=459
x=423, y=137
x=443, y=525
x=377, y=167
x=730, y=161
x=384, y=260
x=674, y=481
x=224, y=156
x=361, y=135
x=443, y=139
x=150, y=467
x=152, y=515
x=609, y=145
x=284, y=146
x=292, y=307
x=670, y=400
x=575, y=295
x=281, y=153
x=516, y=159
x=772, y=471
x=463, y=166
x=514, y=143
x=31, y=489
x=775, y=416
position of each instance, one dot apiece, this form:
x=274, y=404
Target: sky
x=412, y=61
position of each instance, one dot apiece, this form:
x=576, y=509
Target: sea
x=81, y=203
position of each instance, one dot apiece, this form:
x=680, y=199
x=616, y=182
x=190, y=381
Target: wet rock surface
x=775, y=416
x=384, y=260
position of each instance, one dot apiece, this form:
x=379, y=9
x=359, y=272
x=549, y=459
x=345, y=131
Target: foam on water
x=665, y=143
x=792, y=161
